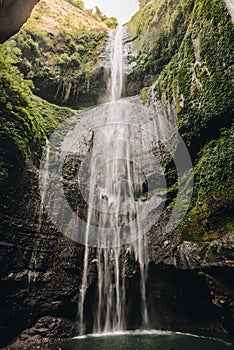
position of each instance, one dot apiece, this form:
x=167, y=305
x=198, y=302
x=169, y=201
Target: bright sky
x=121, y=9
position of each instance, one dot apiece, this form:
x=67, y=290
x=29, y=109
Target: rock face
x=46, y=328
x=13, y=14
x=190, y=284
x=190, y=300
x=178, y=68
x=40, y=269
x=60, y=46
x=195, y=90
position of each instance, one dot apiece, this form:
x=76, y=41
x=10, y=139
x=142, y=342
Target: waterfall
x=118, y=182
x=116, y=64
x=103, y=185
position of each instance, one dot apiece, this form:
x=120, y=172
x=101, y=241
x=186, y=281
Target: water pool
x=155, y=340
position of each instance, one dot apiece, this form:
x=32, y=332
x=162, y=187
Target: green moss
x=25, y=120
x=70, y=168
x=215, y=167
x=77, y=3
x=62, y=61
x=210, y=215
x=198, y=79
x=58, y=62
x=144, y=95
x=157, y=30
x=201, y=70
x=202, y=73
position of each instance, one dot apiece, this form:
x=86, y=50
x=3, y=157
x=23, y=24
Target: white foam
x=150, y=332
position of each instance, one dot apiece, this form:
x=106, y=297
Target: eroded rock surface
x=13, y=14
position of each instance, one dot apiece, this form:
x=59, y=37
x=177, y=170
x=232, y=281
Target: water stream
x=118, y=150
x=116, y=183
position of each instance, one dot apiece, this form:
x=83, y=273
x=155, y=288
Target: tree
x=111, y=22
x=77, y=3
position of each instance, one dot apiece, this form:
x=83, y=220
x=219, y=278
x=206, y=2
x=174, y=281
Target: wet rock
x=194, y=301
x=40, y=268
x=42, y=334
x=220, y=252
x=187, y=256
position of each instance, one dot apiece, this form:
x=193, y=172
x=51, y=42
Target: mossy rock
x=60, y=52
x=25, y=120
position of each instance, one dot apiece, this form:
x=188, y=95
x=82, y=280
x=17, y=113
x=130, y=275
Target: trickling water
x=118, y=182
x=32, y=274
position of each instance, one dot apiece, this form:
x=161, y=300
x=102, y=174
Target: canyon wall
x=184, y=62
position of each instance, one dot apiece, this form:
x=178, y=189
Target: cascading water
x=106, y=189
x=115, y=85
x=117, y=184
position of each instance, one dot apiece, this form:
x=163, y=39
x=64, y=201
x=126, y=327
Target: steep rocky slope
x=54, y=56
x=186, y=52
x=40, y=269
x=198, y=86
x=157, y=30
x=60, y=45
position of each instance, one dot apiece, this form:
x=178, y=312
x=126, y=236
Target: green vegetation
x=210, y=215
x=77, y=3
x=110, y=22
x=54, y=57
x=25, y=120
x=187, y=47
x=157, y=30
x=60, y=55
x=199, y=78
x=144, y=95
x=215, y=167
x=199, y=82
